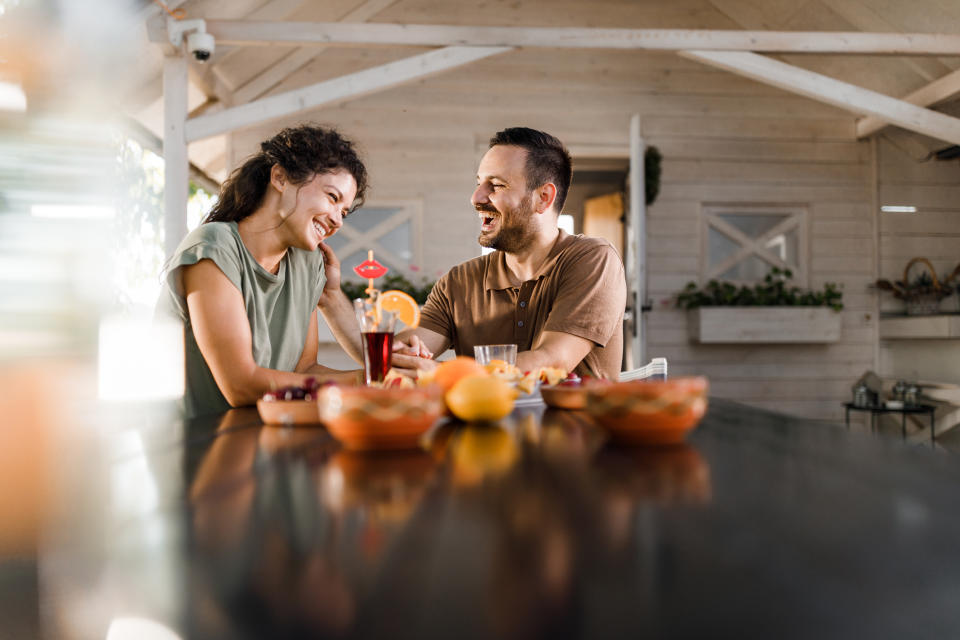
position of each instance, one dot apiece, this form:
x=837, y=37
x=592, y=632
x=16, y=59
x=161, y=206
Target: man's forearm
x=555, y=349
x=337, y=310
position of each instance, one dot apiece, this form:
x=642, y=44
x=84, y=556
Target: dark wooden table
x=761, y=526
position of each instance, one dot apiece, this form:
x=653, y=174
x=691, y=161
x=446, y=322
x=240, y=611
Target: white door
x=635, y=259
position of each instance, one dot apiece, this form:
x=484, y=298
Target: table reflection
x=292, y=534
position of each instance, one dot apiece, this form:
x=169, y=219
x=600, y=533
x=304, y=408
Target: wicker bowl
x=288, y=412
x=365, y=418
x=649, y=412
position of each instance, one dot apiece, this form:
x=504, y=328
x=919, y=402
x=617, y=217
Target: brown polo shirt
x=579, y=290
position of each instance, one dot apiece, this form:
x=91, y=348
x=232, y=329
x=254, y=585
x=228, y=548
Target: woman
x=247, y=283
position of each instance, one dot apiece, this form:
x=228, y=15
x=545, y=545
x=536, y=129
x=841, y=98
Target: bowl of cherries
x=570, y=393
x=291, y=405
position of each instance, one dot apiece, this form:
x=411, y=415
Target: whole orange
x=451, y=371
x=480, y=398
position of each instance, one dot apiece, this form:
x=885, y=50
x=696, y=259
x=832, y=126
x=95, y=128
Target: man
x=559, y=297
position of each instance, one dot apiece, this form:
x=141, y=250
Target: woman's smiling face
x=315, y=210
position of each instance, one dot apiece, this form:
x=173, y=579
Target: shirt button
x=523, y=304
x=520, y=324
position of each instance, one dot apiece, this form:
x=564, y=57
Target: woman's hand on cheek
x=331, y=267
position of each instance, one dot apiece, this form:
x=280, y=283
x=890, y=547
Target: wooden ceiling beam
x=865, y=18
x=934, y=93
x=253, y=33
x=345, y=87
x=839, y=94
x=279, y=71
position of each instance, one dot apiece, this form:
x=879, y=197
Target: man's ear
x=278, y=177
x=545, y=196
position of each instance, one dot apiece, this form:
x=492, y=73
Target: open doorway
x=598, y=203
x=598, y=186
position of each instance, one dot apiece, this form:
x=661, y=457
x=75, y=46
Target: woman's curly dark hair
x=302, y=152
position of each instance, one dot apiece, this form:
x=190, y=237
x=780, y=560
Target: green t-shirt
x=278, y=306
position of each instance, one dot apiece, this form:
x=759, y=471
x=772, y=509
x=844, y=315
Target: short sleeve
x=591, y=294
x=207, y=242
x=437, y=313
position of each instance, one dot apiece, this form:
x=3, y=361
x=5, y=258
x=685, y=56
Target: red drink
x=377, y=347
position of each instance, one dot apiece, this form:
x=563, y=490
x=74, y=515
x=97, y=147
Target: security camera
x=201, y=45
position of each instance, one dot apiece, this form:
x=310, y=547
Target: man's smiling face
x=503, y=201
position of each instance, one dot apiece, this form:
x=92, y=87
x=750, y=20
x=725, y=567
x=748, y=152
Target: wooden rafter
x=277, y=72
x=826, y=89
x=345, y=87
x=936, y=92
x=252, y=33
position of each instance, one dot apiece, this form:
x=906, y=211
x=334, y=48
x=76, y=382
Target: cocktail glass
x=376, y=329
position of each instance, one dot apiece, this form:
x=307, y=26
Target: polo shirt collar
x=498, y=275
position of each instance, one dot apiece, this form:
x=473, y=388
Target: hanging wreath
x=651, y=166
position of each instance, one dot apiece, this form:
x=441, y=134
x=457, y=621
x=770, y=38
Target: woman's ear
x=278, y=177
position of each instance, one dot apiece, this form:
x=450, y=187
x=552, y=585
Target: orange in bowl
x=649, y=412
x=450, y=372
x=364, y=418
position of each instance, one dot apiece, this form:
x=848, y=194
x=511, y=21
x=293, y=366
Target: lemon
x=479, y=398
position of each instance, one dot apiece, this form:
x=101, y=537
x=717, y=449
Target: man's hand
x=408, y=358
x=415, y=347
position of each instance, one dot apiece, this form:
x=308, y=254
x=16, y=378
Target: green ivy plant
x=355, y=290
x=774, y=291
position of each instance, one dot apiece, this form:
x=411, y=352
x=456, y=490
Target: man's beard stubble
x=517, y=228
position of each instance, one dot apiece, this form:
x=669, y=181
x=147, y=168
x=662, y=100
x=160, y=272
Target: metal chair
x=656, y=370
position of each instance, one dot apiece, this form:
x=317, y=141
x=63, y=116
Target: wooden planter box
x=763, y=325
x=920, y=327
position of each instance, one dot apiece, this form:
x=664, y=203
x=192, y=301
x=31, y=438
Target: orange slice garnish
x=402, y=304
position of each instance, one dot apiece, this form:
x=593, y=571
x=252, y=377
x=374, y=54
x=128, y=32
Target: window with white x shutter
x=742, y=242
x=392, y=230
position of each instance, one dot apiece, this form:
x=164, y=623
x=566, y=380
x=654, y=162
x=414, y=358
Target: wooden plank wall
x=933, y=232
x=905, y=178
x=725, y=139
x=761, y=159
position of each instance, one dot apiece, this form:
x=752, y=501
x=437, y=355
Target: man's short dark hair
x=547, y=159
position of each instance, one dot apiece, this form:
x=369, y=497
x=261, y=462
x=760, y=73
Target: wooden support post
x=176, y=183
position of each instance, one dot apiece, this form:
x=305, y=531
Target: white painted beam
x=826, y=89
x=176, y=181
x=277, y=72
x=247, y=33
x=937, y=91
x=350, y=86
